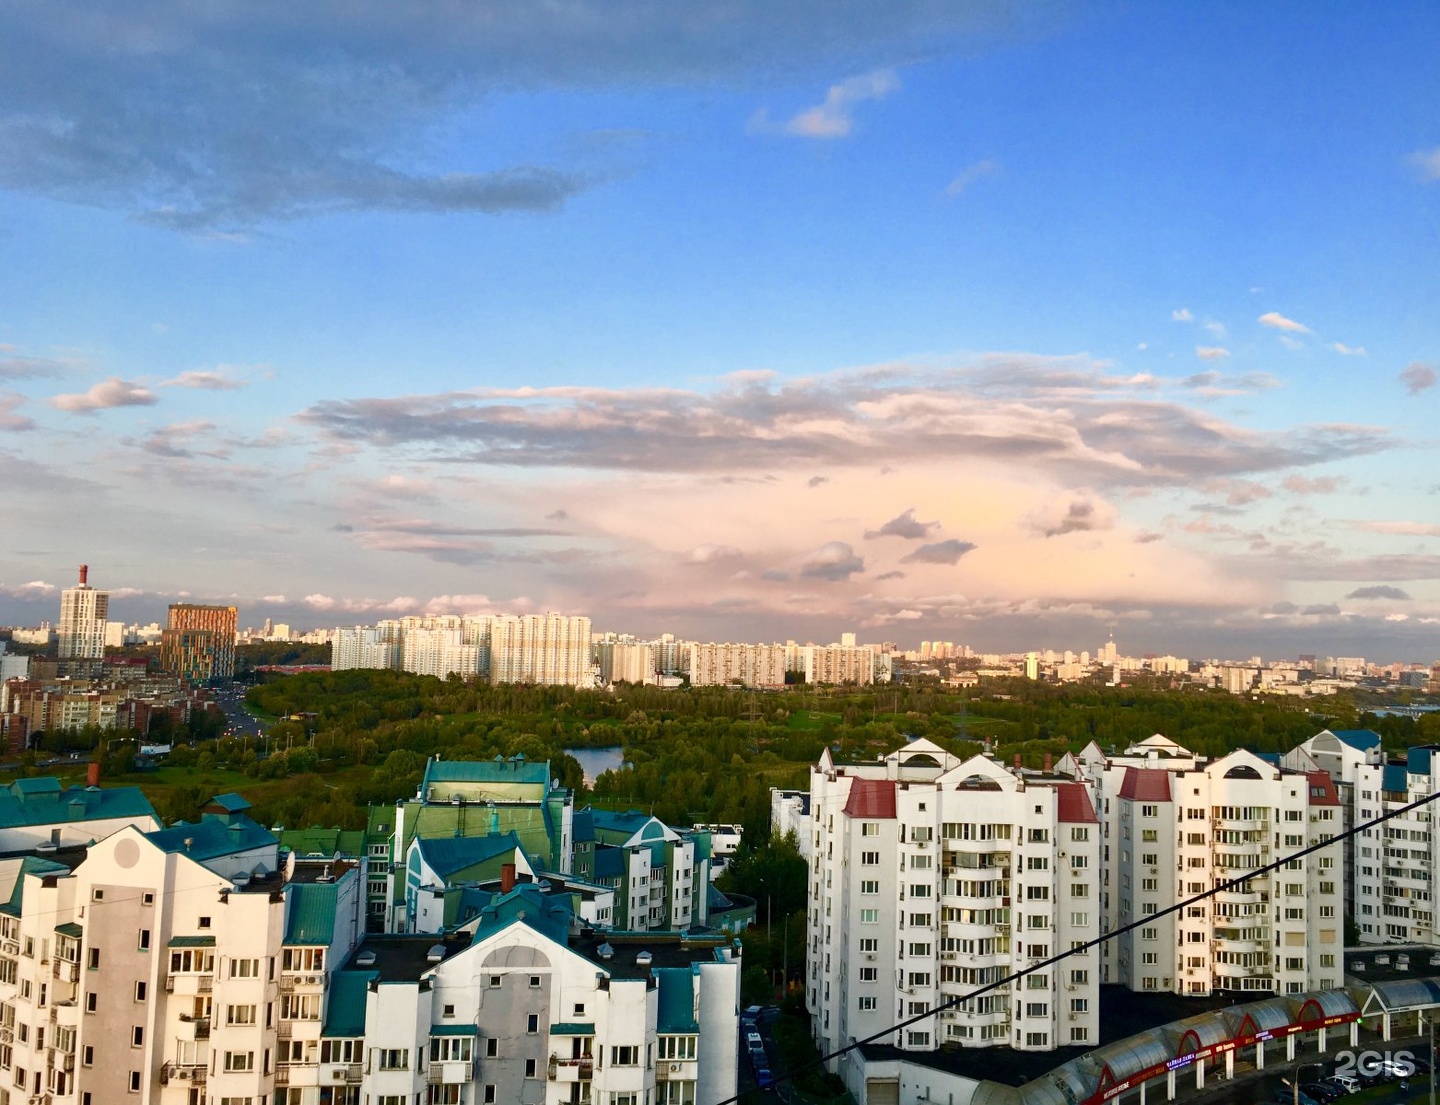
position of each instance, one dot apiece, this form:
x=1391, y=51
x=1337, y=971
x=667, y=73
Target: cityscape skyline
x=986, y=323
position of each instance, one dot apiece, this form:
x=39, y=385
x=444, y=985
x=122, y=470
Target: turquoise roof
x=345, y=1009
x=311, y=913
x=192, y=942
x=676, y=1011
x=609, y=863
x=582, y=826
x=447, y=855
x=212, y=836
x=231, y=802
x=43, y=802
x=454, y=1030
x=1395, y=778
x=515, y=770
x=29, y=865
x=528, y=904
x=573, y=1028
x=1361, y=740
x=70, y=928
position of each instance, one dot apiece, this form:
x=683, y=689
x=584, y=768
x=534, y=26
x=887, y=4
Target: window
x=239, y=1061
x=529, y=1068
x=140, y=991
x=134, y=1081
x=137, y=1036
x=492, y=1048
x=869, y=944
x=92, y=959
x=494, y=980
x=869, y=974
x=239, y=1014
x=90, y=1002
x=625, y=1055
x=393, y=1058
x=532, y=1023
x=869, y=916
x=534, y=982
x=869, y=828
x=202, y=922
x=870, y=886
x=244, y=968
x=147, y=898
x=869, y=1005
x=143, y=943
x=676, y=1047
x=451, y=1049
x=1037, y=1009
x=87, y=1055
x=870, y=859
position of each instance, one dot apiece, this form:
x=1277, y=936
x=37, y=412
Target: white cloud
x=1428, y=162
x=1182, y=314
x=1216, y=328
x=1418, y=377
x=1348, y=350
x=1211, y=352
x=832, y=117
x=970, y=175
x=105, y=395
x=1276, y=321
x=208, y=381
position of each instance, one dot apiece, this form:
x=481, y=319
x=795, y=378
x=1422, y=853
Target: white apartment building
x=625, y=662
x=83, y=613
x=549, y=649
x=1395, y=862
x=930, y=877
x=1176, y=827
x=838, y=664
x=719, y=665
x=364, y=646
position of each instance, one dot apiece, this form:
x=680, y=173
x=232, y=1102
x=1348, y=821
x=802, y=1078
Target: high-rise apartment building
x=1176, y=826
x=547, y=649
x=929, y=877
x=83, y=613
x=199, y=642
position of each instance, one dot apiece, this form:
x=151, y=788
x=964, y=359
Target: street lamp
x=1295, y=1085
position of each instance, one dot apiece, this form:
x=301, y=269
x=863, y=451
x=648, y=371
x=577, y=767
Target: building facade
x=83, y=614
x=198, y=644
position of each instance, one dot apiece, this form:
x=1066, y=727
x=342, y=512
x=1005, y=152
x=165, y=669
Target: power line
x=951, y=1003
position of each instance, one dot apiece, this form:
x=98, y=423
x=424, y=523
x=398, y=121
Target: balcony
x=65, y=971
x=193, y=1073
x=447, y=1072
x=193, y=1028
x=571, y=1070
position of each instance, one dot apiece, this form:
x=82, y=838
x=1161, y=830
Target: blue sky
x=995, y=323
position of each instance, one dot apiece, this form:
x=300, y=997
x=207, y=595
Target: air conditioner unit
x=338, y=1073
x=183, y=1074
x=674, y=1068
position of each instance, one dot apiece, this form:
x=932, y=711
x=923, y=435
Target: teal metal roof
x=676, y=1011
x=345, y=1009
x=1394, y=777
x=609, y=863
x=447, y=856
x=231, y=802
x=43, y=802
x=1417, y=759
x=573, y=1028
x=70, y=928
x=454, y=1030
x=213, y=835
x=515, y=770
x=192, y=942
x=29, y=865
x=310, y=913
x=527, y=904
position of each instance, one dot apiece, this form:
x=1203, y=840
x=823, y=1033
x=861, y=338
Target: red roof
x=1072, y=803
x=874, y=798
x=1146, y=784
x=1322, y=789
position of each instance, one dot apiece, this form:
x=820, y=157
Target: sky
x=1009, y=324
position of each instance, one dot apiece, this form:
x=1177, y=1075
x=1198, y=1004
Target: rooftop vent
x=644, y=959
x=605, y=951
x=435, y=954
x=365, y=959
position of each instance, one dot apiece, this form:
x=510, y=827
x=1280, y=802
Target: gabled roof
x=528, y=905
x=27, y=865
x=310, y=913
x=1146, y=784
x=1072, y=803
x=323, y=842
x=43, y=802
x=1322, y=789
x=871, y=798
x=231, y=802
x=450, y=855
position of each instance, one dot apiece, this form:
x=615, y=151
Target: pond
x=596, y=761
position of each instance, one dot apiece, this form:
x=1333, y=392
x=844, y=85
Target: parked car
x=752, y=1038
x=1342, y=1082
x=1286, y=1096
x=1321, y=1092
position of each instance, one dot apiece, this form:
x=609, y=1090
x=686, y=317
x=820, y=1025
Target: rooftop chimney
x=507, y=877
x=92, y=774
x=1017, y=761
x=84, y=572
x=1048, y=763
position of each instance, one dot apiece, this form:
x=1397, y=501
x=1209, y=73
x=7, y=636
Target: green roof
x=454, y=1030
x=323, y=842
x=676, y=1011
x=70, y=928
x=497, y=772
x=528, y=821
x=231, y=802
x=43, y=802
x=452, y=856
x=311, y=913
x=345, y=1010
x=192, y=942
x=573, y=1028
